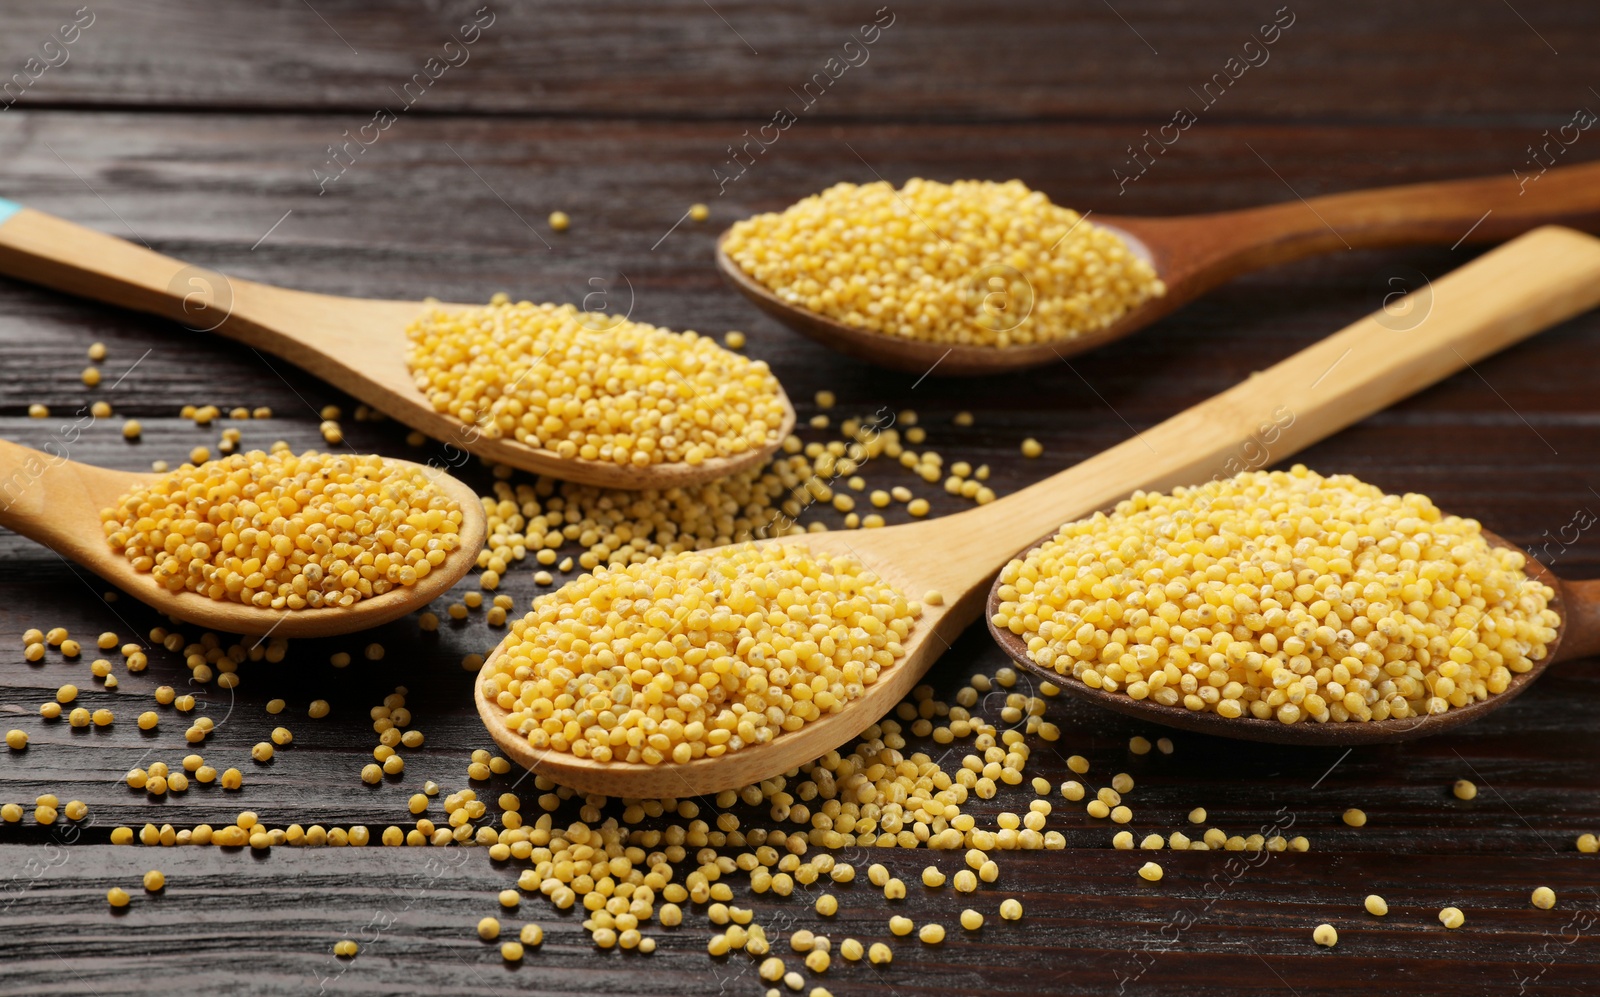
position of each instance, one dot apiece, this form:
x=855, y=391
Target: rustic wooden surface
x=196, y=129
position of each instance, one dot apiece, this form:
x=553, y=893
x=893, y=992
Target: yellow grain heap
x=1281, y=594
x=973, y=262
x=593, y=386
x=285, y=532
x=697, y=655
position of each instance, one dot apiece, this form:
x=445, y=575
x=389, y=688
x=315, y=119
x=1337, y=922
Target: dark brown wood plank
x=1139, y=59
x=1514, y=447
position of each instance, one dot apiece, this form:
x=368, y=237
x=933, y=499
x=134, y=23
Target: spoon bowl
x=1577, y=603
x=952, y=359
x=1498, y=299
x=1194, y=253
x=357, y=344
x=57, y=503
x=892, y=549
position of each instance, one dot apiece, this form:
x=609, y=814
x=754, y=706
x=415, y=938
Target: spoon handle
x=53, y=500
x=1506, y=295
x=44, y=249
x=1580, y=627
x=1203, y=251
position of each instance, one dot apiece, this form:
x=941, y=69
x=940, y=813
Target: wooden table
x=198, y=128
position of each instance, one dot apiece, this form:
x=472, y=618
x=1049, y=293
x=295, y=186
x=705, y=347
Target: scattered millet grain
x=1451, y=917
x=1464, y=789
x=1355, y=817
x=1544, y=898
x=1376, y=905
x=1150, y=872
x=864, y=256
x=285, y=532
x=117, y=897
x=1217, y=557
x=1324, y=934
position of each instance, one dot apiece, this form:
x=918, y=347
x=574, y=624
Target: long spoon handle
x=1580, y=625
x=1202, y=251
x=44, y=249
x=54, y=500
x=1504, y=296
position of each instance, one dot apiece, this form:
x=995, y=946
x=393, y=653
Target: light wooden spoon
x=1532, y=283
x=1195, y=253
x=57, y=502
x=1578, y=636
x=356, y=344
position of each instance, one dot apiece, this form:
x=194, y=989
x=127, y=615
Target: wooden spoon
x=1578, y=636
x=1508, y=294
x=57, y=502
x=1195, y=253
x=358, y=345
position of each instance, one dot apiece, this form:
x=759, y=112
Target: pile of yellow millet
x=972, y=262
x=287, y=532
x=1283, y=595
x=697, y=655
x=593, y=386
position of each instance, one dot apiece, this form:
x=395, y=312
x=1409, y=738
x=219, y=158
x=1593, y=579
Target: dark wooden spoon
x=1578, y=636
x=1195, y=253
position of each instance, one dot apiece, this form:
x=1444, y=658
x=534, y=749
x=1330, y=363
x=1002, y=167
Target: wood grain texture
x=1145, y=59
x=1367, y=98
